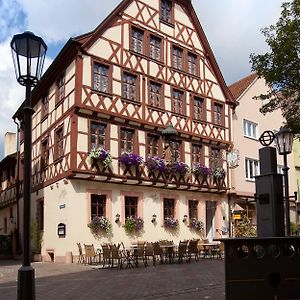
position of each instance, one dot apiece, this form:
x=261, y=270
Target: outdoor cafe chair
x=80, y=256
x=157, y=251
x=182, y=251
x=139, y=253
x=106, y=255
x=218, y=251
x=118, y=255
x=149, y=252
x=192, y=249
x=90, y=254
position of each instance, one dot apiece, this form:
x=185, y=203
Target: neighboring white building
x=247, y=125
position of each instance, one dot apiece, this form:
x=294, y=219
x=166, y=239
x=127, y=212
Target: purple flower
x=201, y=170
x=130, y=159
x=180, y=167
x=156, y=164
x=171, y=223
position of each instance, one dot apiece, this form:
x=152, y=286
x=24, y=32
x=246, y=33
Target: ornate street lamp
x=28, y=51
x=169, y=133
x=284, y=142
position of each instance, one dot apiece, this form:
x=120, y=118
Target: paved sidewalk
x=196, y=280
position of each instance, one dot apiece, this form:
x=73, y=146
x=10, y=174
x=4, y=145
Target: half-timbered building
x=147, y=66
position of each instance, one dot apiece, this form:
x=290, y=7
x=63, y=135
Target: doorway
x=210, y=219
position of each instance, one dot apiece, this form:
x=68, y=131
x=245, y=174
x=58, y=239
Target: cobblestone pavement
x=195, y=280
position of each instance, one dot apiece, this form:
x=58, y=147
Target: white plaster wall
x=75, y=214
x=249, y=109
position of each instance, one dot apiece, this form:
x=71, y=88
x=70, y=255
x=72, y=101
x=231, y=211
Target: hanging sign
x=233, y=158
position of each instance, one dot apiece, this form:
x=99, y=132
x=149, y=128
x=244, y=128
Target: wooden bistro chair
x=149, y=252
x=192, y=249
x=117, y=255
x=106, y=255
x=90, y=254
x=139, y=253
x=182, y=251
x=157, y=251
x=80, y=256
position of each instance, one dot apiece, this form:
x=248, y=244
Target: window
x=252, y=168
x=199, y=108
x=155, y=94
x=166, y=11
x=45, y=106
x=250, y=129
x=60, y=89
x=192, y=63
x=155, y=48
x=126, y=140
x=196, y=153
x=130, y=90
x=44, y=153
x=98, y=206
x=101, y=78
x=152, y=145
x=169, y=208
x=177, y=103
x=40, y=214
x=97, y=135
x=193, y=209
x=59, y=143
x=215, y=158
x=218, y=114
x=177, y=58
x=176, y=146
x=131, y=207
x=137, y=37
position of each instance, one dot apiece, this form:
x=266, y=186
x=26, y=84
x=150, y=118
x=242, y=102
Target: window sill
x=196, y=77
x=156, y=108
x=200, y=121
x=142, y=55
x=219, y=125
x=179, y=115
x=251, y=138
x=171, y=24
x=160, y=62
x=250, y=180
x=106, y=94
x=43, y=118
x=132, y=101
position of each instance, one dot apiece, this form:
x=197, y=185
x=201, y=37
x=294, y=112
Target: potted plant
x=99, y=224
x=101, y=155
x=133, y=224
x=171, y=223
x=155, y=163
x=197, y=225
x=130, y=159
x=219, y=173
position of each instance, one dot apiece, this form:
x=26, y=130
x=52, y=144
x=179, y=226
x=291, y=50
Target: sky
x=231, y=26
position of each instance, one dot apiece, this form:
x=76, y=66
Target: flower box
x=201, y=170
x=156, y=164
x=180, y=168
x=99, y=224
x=102, y=155
x=130, y=159
x=197, y=225
x=171, y=223
x=219, y=173
x=133, y=224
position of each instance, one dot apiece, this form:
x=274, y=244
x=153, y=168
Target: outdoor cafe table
x=209, y=246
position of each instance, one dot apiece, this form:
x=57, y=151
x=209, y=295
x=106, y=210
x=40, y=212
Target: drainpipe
x=18, y=187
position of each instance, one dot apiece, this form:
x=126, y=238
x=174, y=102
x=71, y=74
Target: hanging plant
x=100, y=154
x=171, y=223
x=197, y=225
x=130, y=159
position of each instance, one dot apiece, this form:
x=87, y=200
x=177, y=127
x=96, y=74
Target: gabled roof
x=240, y=86
x=94, y=35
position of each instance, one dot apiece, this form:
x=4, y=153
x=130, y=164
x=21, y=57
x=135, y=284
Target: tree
x=281, y=66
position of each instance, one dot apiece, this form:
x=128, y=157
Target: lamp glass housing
x=28, y=52
x=284, y=141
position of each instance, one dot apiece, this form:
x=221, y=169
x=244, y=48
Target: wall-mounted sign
x=61, y=229
x=237, y=217
x=233, y=158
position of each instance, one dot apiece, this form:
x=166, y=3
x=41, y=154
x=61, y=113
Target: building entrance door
x=210, y=219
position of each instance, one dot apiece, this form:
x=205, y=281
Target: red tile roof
x=239, y=87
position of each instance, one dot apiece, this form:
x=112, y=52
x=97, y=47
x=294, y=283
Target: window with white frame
x=252, y=168
x=250, y=129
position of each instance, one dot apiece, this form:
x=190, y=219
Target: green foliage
x=280, y=66
x=36, y=238
x=244, y=228
x=294, y=228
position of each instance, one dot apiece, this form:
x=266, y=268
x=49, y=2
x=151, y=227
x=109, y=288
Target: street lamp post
x=284, y=142
x=28, y=51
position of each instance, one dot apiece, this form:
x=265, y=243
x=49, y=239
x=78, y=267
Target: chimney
x=10, y=143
